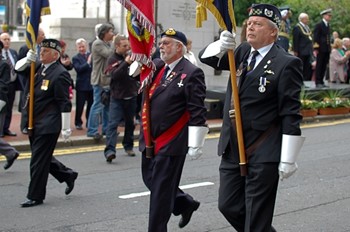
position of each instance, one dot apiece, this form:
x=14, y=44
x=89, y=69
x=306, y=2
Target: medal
x=45, y=85
x=183, y=76
x=262, y=84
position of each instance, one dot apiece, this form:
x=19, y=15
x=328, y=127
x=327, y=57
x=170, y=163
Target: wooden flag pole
x=31, y=99
x=238, y=119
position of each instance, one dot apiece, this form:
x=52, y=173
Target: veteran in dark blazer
x=177, y=113
x=51, y=99
x=269, y=83
x=302, y=45
x=322, y=44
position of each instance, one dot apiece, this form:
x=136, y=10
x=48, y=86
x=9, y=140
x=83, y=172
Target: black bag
x=105, y=96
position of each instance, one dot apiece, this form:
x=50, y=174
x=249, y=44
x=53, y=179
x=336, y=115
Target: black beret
x=52, y=43
x=178, y=35
x=268, y=11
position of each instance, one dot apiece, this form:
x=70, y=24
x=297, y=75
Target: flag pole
x=224, y=14
x=31, y=99
x=238, y=118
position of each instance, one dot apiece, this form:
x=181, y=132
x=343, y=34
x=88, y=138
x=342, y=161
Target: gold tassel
x=201, y=15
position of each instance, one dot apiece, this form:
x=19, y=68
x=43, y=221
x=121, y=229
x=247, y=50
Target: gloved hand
x=286, y=169
x=31, y=56
x=194, y=152
x=291, y=145
x=66, y=133
x=196, y=138
x=2, y=104
x=227, y=41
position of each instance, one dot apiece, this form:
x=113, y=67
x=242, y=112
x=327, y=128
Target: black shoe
x=10, y=161
x=110, y=157
x=186, y=216
x=79, y=127
x=31, y=203
x=25, y=131
x=96, y=137
x=9, y=133
x=70, y=183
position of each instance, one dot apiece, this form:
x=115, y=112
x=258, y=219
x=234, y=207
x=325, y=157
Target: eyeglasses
x=165, y=43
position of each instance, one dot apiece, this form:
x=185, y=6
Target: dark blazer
x=279, y=105
x=51, y=98
x=322, y=36
x=4, y=81
x=83, y=70
x=169, y=102
x=302, y=41
x=18, y=82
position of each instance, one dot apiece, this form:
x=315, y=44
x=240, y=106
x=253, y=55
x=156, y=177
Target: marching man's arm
x=291, y=145
x=25, y=61
x=196, y=138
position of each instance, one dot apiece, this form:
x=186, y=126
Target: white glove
x=25, y=61
x=291, y=145
x=196, y=138
x=227, y=41
x=2, y=104
x=66, y=131
x=194, y=152
x=31, y=56
x=286, y=169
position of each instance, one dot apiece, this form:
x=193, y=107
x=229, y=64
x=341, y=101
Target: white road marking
x=188, y=186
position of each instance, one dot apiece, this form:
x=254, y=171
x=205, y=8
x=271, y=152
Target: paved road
x=316, y=198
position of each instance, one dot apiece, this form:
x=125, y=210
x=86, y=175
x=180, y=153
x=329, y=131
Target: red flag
x=140, y=23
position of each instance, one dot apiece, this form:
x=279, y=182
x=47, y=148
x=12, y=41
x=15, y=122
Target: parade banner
x=223, y=11
x=141, y=29
x=34, y=10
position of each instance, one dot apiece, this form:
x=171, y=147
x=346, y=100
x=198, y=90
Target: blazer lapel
x=176, y=72
x=259, y=70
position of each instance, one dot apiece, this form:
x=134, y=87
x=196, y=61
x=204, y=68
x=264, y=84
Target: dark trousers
x=83, y=97
x=248, y=202
x=162, y=175
x=321, y=66
x=9, y=106
x=307, y=69
x=42, y=163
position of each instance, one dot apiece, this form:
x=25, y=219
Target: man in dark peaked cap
x=322, y=44
x=178, y=117
x=52, y=108
x=269, y=85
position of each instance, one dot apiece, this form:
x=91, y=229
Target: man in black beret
x=269, y=83
x=51, y=114
x=178, y=115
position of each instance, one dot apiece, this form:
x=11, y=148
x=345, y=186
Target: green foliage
x=340, y=19
x=333, y=99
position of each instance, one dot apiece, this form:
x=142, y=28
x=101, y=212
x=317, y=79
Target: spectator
x=101, y=50
x=189, y=55
x=322, y=43
x=338, y=62
x=283, y=36
x=84, y=94
x=10, y=55
x=302, y=45
x=123, y=92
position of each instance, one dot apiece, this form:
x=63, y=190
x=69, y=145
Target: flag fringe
x=139, y=15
